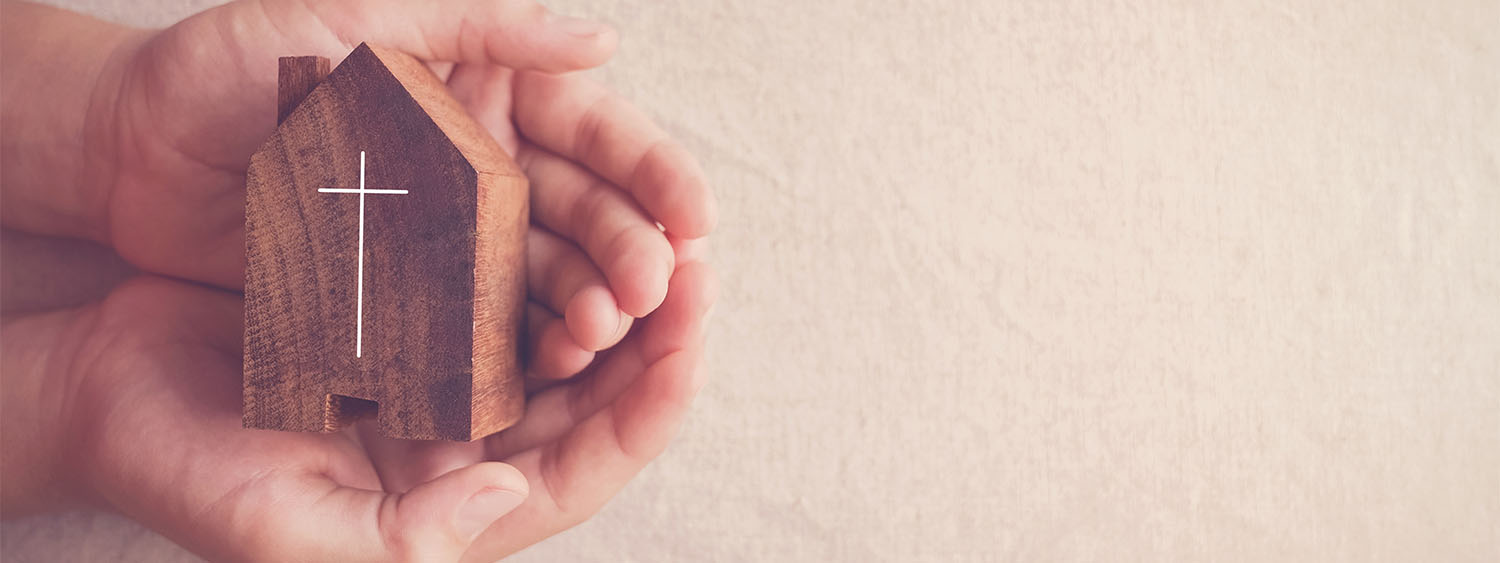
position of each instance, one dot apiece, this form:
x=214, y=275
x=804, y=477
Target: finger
x=513, y=33
x=232, y=494
x=689, y=249
x=287, y=498
x=561, y=278
x=676, y=326
x=434, y=521
x=403, y=464
x=484, y=91
x=626, y=244
x=551, y=351
x=581, y=121
x=442, y=69
x=589, y=464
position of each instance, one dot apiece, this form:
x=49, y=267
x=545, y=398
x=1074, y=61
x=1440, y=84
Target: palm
x=199, y=104
x=196, y=102
x=166, y=380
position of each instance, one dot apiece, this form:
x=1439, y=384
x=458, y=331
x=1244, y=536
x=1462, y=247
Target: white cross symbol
x=359, y=299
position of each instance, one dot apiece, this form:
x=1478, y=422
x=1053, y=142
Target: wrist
x=62, y=78
x=36, y=474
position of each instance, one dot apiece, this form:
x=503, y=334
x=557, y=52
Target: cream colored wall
x=1041, y=280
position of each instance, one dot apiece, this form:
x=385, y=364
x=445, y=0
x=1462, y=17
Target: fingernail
x=619, y=322
x=622, y=324
x=577, y=27
x=484, y=508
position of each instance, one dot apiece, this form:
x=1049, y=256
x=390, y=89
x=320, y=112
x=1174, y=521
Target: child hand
x=145, y=386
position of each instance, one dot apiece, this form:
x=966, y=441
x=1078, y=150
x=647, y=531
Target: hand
x=152, y=403
x=197, y=99
x=153, y=397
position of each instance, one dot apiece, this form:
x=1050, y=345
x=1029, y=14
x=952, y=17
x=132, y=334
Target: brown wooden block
x=420, y=321
x=295, y=79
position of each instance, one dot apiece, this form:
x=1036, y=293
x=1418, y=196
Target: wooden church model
x=385, y=232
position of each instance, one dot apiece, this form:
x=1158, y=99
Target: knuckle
x=589, y=211
x=655, y=174
x=590, y=125
x=397, y=535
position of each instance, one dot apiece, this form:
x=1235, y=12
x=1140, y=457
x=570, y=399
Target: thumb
x=520, y=34
x=435, y=521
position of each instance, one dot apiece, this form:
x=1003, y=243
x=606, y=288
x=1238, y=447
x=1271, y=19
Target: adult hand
x=150, y=404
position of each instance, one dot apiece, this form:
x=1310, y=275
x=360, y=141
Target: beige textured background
x=1060, y=280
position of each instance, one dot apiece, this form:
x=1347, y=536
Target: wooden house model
x=384, y=231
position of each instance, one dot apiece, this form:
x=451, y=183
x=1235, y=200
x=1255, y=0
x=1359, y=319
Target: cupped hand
x=616, y=291
x=153, y=379
x=194, y=101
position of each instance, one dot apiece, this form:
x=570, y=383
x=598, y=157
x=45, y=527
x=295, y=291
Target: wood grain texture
x=443, y=291
x=295, y=79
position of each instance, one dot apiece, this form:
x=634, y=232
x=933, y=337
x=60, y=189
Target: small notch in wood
x=340, y=411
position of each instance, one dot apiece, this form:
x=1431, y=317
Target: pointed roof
x=422, y=87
